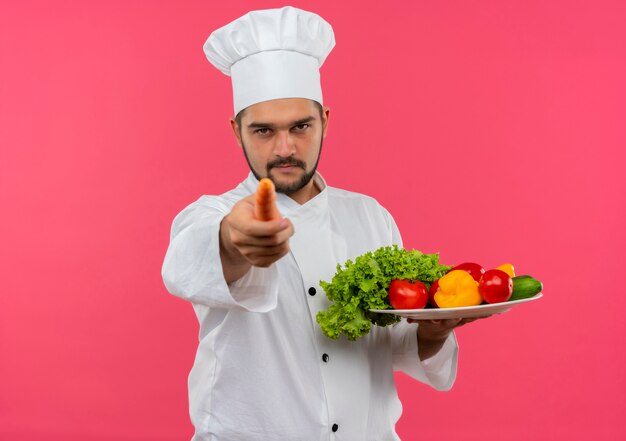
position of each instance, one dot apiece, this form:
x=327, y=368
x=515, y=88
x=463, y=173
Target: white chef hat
x=271, y=54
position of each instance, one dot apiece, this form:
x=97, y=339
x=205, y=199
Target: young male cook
x=263, y=370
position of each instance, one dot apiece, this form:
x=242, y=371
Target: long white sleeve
x=192, y=268
x=438, y=371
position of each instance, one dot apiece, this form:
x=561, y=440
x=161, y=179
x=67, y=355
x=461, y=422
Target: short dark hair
x=320, y=108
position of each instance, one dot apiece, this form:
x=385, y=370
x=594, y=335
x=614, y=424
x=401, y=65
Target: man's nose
x=284, y=145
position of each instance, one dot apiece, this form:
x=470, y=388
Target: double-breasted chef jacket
x=263, y=369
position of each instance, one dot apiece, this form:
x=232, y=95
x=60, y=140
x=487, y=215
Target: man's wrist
x=234, y=264
x=227, y=251
x=430, y=344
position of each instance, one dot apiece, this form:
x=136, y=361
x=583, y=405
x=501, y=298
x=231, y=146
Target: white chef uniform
x=264, y=370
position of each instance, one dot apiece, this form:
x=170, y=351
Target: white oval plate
x=461, y=312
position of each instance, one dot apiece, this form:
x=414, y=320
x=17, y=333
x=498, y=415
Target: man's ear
x=235, y=127
x=325, y=122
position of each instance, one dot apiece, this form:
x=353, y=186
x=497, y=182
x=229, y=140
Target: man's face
x=282, y=140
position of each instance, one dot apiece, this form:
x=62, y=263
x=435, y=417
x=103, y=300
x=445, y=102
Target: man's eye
x=301, y=127
x=263, y=131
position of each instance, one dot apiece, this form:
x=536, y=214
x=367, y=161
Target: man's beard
x=291, y=188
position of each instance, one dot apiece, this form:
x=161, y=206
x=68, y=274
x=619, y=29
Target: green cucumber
x=525, y=287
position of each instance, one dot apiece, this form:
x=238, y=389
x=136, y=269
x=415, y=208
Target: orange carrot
x=265, y=207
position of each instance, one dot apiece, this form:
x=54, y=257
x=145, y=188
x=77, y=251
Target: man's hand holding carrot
x=253, y=233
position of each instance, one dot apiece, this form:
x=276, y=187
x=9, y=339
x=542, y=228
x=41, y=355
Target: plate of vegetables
x=381, y=287
x=466, y=291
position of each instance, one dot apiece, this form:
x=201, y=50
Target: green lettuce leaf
x=362, y=285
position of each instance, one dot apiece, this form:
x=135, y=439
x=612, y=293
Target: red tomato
x=495, y=286
x=475, y=270
x=406, y=295
x=431, y=293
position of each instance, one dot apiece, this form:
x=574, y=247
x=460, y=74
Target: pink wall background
x=493, y=132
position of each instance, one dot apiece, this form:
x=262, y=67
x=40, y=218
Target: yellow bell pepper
x=507, y=268
x=457, y=288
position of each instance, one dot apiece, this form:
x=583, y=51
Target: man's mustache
x=286, y=161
